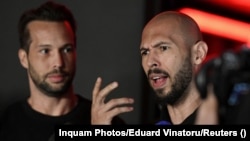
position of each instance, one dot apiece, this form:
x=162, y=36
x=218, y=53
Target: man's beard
x=178, y=89
x=46, y=88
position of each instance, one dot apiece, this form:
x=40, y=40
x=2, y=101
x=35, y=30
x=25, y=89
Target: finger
x=119, y=110
x=106, y=90
x=96, y=88
x=119, y=102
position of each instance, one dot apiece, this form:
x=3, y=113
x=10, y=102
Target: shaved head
x=183, y=25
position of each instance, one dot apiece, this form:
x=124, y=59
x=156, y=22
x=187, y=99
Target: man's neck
x=53, y=106
x=178, y=113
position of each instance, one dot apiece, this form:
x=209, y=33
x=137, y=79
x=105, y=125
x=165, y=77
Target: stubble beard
x=46, y=88
x=179, y=88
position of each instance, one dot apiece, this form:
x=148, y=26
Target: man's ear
x=23, y=58
x=199, y=52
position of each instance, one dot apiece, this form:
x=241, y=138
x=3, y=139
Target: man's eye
x=67, y=49
x=44, y=51
x=145, y=52
x=164, y=48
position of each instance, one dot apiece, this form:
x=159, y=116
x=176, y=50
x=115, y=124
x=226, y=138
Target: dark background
x=108, y=46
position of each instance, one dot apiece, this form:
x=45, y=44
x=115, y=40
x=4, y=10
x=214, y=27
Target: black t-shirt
x=21, y=122
x=164, y=118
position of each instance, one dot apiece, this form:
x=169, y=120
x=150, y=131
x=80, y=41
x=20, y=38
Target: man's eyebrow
x=155, y=45
x=160, y=43
x=142, y=48
x=49, y=46
x=44, y=45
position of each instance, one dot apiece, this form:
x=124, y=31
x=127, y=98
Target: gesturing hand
x=102, y=113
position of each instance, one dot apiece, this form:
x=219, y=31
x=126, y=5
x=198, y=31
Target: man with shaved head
x=172, y=50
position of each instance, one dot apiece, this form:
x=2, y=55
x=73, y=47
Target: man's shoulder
x=84, y=105
x=12, y=112
x=14, y=107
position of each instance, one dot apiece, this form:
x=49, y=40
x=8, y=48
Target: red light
x=220, y=26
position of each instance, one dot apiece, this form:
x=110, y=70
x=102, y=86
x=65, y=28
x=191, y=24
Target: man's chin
x=56, y=87
x=56, y=93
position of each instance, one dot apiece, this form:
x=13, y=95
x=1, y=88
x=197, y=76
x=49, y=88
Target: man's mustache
x=57, y=71
x=157, y=71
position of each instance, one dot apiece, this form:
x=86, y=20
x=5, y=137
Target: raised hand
x=102, y=113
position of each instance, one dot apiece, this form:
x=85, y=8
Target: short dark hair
x=48, y=11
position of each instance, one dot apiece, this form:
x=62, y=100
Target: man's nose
x=152, y=60
x=58, y=60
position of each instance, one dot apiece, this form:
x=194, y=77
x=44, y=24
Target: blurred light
x=242, y=6
x=219, y=25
